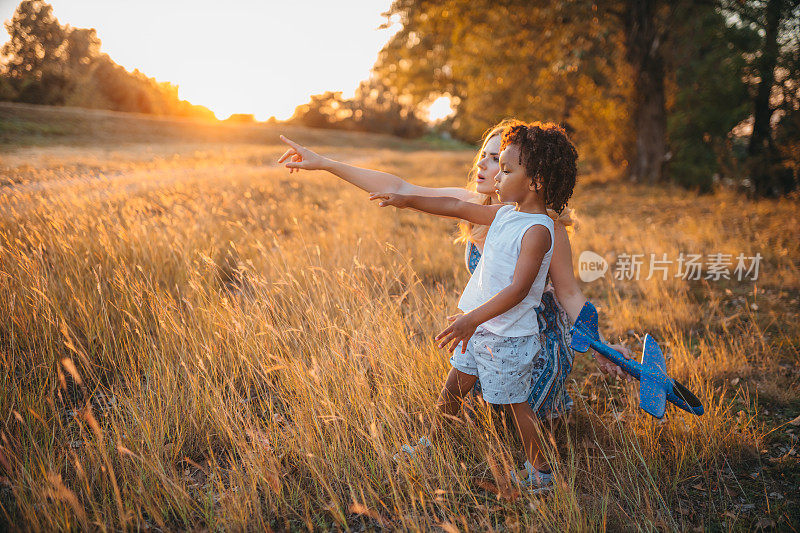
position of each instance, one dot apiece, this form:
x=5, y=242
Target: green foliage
x=578, y=63
x=529, y=60
x=773, y=77
x=708, y=94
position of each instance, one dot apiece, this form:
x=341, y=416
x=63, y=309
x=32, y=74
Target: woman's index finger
x=291, y=143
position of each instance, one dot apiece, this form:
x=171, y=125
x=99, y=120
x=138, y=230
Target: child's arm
x=368, y=180
x=535, y=244
x=440, y=205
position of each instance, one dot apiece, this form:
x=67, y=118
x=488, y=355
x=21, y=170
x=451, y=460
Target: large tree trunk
x=643, y=47
x=761, y=148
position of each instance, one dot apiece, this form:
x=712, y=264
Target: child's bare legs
x=526, y=422
x=457, y=385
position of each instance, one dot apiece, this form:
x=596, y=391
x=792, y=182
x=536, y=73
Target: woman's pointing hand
x=301, y=157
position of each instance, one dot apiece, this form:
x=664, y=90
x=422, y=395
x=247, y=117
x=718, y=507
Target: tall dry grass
x=193, y=339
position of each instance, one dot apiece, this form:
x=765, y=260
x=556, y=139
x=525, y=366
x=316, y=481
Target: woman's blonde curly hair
x=469, y=232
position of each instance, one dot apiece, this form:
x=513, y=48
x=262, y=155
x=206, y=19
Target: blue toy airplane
x=656, y=386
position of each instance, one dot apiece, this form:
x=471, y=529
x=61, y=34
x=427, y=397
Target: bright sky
x=241, y=56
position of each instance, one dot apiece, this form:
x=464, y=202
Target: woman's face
x=488, y=166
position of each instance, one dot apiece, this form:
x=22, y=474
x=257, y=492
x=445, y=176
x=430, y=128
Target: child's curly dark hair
x=547, y=154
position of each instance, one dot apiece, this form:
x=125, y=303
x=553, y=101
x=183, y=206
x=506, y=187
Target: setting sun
x=262, y=58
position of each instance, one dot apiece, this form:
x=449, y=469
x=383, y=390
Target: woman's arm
x=363, y=178
x=570, y=296
x=568, y=292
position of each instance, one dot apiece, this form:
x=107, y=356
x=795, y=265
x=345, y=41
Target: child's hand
x=302, y=157
x=607, y=367
x=460, y=330
x=400, y=201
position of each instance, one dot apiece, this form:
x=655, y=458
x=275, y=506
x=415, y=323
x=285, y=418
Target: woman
x=562, y=300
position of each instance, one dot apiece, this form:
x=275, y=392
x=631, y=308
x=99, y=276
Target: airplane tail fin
x=585, y=328
x=654, y=380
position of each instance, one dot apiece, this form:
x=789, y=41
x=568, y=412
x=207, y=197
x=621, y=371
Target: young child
x=496, y=338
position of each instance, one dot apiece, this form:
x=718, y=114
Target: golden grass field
x=193, y=339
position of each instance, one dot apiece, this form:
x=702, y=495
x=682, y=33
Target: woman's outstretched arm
x=569, y=294
x=363, y=178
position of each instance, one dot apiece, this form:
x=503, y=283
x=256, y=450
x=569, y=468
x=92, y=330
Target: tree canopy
x=663, y=89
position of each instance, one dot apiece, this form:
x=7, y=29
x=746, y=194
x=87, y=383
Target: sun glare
x=440, y=109
x=260, y=58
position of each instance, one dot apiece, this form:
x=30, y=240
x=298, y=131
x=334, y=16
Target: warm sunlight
x=263, y=58
x=440, y=109
x=268, y=265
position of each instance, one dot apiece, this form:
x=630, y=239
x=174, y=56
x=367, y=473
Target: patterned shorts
x=549, y=398
x=503, y=364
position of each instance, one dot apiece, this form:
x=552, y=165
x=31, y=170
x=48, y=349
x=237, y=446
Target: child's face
x=512, y=183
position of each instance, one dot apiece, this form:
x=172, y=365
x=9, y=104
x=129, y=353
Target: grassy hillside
x=35, y=125
x=192, y=338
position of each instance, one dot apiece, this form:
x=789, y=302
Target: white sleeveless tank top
x=495, y=272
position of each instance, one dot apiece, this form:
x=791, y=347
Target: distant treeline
x=375, y=107
x=47, y=63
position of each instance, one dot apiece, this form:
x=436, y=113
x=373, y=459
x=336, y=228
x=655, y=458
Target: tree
x=653, y=85
x=544, y=60
x=82, y=48
x=774, y=78
x=645, y=34
x=706, y=94
x=35, y=54
x=320, y=111
x=375, y=108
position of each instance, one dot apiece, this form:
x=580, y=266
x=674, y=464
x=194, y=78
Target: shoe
x=411, y=451
x=537, y=481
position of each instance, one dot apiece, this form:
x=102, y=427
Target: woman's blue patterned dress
x=549, y=398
